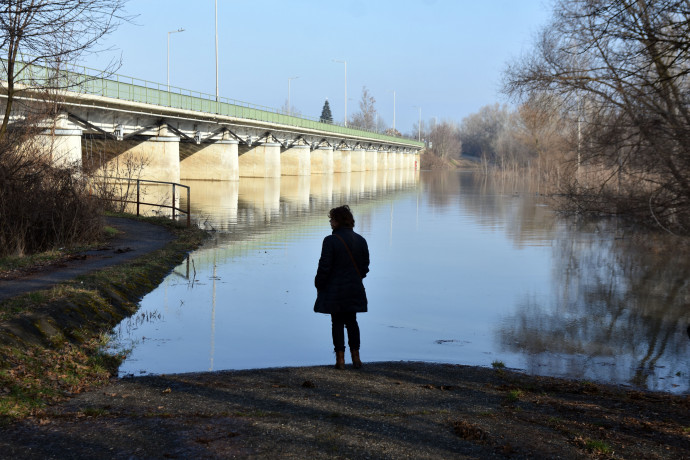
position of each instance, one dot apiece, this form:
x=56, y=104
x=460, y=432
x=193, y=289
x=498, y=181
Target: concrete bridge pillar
x=382, y=159
x=64, y=146
x=322, y=160
x=296, y=161
x=155, y=158
x=63, y=142
x=357, y=160
x=342, y=160
x=262, y=160
x=215, y=161
x=398, y=160
x=371, y=160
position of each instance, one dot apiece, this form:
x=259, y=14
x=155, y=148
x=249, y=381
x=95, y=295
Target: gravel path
x=134, y=240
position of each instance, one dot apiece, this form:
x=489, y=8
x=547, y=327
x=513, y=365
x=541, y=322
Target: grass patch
x=514, y=395
x=498, y=365
x=109, y=231
x=95, y=411
x=11, y=264
x=33, y=377
x=601, y=447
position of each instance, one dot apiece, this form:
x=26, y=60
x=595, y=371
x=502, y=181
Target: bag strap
x=350, y=253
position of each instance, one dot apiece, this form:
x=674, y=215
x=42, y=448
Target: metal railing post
x=137, y=197
x=173, y=201
x=189, y=217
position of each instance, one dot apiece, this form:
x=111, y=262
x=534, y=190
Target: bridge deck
x=92, y=82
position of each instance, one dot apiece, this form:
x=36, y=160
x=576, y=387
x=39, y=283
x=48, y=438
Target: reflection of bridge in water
x=254, y=211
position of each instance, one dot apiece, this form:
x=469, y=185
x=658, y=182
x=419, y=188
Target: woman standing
x=343, y=264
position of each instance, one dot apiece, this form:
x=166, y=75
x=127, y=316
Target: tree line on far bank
x=603, y=112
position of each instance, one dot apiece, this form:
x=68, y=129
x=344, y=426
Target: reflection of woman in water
x=343, y=264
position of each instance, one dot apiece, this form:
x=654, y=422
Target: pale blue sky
x=443, y=55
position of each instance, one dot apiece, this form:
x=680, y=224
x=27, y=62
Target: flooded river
x=463, y=270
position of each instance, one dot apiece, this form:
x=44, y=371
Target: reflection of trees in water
x=492, y=202
x=618, y=313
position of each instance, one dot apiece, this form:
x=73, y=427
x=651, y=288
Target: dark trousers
x=339, y=321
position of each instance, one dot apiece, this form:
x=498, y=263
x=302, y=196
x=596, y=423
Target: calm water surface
x=463, y=270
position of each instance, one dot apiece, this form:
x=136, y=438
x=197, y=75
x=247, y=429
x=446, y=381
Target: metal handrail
x=138, y=201
x=86, y=80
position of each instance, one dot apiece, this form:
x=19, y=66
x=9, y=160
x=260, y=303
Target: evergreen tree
x=326, y=116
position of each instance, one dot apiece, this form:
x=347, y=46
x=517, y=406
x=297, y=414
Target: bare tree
x=445, y=140
x=366, y=117
x=48, y=34
x=44, y=205
x=621, y=69
x=290, y=110
x=479, y=131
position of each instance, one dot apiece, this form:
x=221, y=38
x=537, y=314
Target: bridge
x=120, y=124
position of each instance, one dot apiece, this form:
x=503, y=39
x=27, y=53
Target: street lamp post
x=344, y=62
x=171, y=32
x=217, y=91
x=289, y=80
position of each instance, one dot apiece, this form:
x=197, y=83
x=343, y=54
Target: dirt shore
x=383, y=411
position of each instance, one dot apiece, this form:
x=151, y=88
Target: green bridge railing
x=85, y=80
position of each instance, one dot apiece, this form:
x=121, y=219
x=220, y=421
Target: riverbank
x=384, y=411
x=52, y=337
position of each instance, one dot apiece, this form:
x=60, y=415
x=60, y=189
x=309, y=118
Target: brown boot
x=340, y=360
x=356, y=362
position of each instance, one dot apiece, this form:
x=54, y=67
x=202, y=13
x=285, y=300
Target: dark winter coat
x=339, y=287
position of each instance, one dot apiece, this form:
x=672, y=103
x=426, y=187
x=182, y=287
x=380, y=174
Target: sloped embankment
x=51, y=340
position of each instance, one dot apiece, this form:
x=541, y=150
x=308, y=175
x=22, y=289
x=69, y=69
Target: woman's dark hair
x=342, y=216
